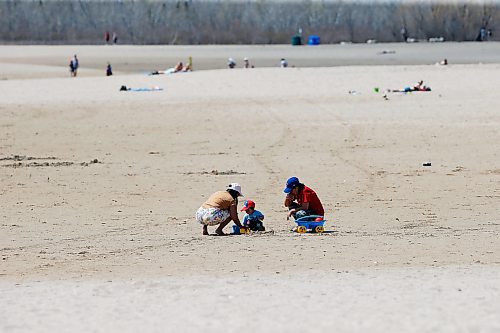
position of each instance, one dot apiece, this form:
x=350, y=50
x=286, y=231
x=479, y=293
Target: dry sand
x=113, y=245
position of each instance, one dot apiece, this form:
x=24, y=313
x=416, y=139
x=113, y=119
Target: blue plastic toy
x=314, y=40
x=315, y=223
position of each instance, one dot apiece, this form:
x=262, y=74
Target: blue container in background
x=296, y=40
x=314, y=40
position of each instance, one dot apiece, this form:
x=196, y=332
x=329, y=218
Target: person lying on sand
x=421, y=87
x=417, y=87
x=187, y=68
x=178, y=68
x=301, y=200
x=220, y=209
x=155, y=88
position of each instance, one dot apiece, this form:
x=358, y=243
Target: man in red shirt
x=301, y=200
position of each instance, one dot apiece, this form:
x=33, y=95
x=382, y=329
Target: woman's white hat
x=236, y=187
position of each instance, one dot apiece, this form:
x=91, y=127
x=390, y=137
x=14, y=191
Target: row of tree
x=226, y=22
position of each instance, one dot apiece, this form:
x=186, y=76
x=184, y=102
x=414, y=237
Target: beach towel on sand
x=156, y=88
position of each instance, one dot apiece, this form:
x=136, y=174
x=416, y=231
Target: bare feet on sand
x=218, y=231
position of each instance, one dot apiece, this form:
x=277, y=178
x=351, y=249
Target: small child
x=253, y=219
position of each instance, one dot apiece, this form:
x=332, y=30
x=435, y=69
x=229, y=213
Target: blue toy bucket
x=314, y=40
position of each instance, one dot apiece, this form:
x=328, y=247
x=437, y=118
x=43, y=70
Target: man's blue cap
x=290, y=184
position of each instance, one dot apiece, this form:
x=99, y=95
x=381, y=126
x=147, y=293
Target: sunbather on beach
x=154, y=88
x=301, y=200
x=178, y=68
x=421, y=87
x=188, y=67
x=220, y=209
x=417, y=87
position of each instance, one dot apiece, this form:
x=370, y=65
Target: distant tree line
x=227, y=22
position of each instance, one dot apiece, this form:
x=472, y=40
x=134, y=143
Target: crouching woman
x=220, y=209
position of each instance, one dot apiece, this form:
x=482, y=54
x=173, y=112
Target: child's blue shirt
x=255, y=216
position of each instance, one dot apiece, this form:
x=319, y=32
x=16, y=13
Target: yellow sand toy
x=240, y=231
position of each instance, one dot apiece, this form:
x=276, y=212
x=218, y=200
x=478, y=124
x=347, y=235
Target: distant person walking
x=404, y=34
x=71, y=68
x=115, y=38
x=76, y=65
x=246, y=63
x=283, y=63
x=482, y=35
x=106, y=37
x=109, y=70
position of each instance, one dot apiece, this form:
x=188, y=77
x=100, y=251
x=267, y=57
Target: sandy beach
x=100, y=187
